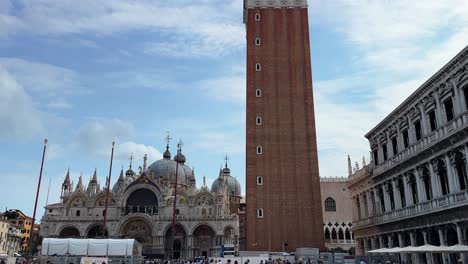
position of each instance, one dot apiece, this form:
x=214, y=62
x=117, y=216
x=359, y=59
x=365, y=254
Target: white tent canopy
x=88, y=247
x=422, y=249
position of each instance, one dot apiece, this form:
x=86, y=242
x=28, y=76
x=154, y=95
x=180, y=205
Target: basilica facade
x=159, y=206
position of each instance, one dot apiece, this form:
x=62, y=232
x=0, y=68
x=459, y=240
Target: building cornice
x=275, y=4
x=251, y=4
x=431, y=83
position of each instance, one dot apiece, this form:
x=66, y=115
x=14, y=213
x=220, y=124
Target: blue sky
x=84, y=73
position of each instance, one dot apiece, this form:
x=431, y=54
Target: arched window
x=414, y=188
x=330, y=205
x=260, y=213
x=461, y=171
x=442, y=172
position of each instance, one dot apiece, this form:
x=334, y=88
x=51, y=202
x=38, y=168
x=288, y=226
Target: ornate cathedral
x=160, y=206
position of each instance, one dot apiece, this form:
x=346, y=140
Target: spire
x=67, y=178
x=94, y=179
x=79, y=186
x=66, y=186
x=130, y=172
x=107, y=182
x=131, y=159
x=121, y=177
x=145, y=158
x=350, y=169
x=363, y=161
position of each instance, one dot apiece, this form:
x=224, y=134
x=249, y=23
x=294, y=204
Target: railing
x=155, y=217
x=426, y=207
x=437, y=135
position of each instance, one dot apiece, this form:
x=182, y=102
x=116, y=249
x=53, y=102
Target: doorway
x=176, y=248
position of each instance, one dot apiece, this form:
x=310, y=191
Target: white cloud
x=226, y=88
x=19, y=118
x=59, y=103
x=399, y=45
x=198, y=23
x=125, y=149
x=40, y=78
x=95, y=138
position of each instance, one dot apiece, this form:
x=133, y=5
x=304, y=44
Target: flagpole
x=108, y=190
x=179, y=148
x=37, y=196
x=48, y=191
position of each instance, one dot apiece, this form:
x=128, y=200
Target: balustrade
x=451, y=200
x=437, y=135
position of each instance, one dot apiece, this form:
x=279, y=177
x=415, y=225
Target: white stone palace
x=415, y=190
x=141, y=206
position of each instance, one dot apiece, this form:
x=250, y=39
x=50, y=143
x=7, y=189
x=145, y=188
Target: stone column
x=428, y=255
x=389, y=146
x=456, y=98
x=442, y=243
x=465, y=150
x=388, y=208
x=408, y=191
x=461, y=95
x=424, y=128
x=365, y=246
x=370, y=208
x=414, y=256
x=435, y=182
x=451, y=179
x=380, y=152
x=363, y=206
x=420, y=185
x=396, y=193
x=461, y=241
x=411, y=137
x=440, y=119
x=381, y=241
x=377, y=201
x=401, y=242
x=390, y=241
x=373, y=243
x=399, y=138
x=355, y=215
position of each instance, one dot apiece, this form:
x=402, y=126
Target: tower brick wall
x=289, y=193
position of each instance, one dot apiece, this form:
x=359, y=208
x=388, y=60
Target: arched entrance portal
x=204, y=240
x=97, y=232
x=175, y=242
x=69, y=232
x=138, y=229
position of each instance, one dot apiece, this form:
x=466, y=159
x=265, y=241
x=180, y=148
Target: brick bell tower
x=284, y=210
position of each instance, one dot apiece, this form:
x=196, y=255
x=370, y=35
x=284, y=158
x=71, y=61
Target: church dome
x=180, y=158
x=233, y=185
x=166, y=168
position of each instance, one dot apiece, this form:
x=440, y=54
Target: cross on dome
x=168, y=138
x=226, y=158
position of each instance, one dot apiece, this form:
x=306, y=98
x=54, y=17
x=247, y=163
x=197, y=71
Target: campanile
x=284, y=209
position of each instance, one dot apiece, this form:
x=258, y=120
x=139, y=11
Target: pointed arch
x=330, y=205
